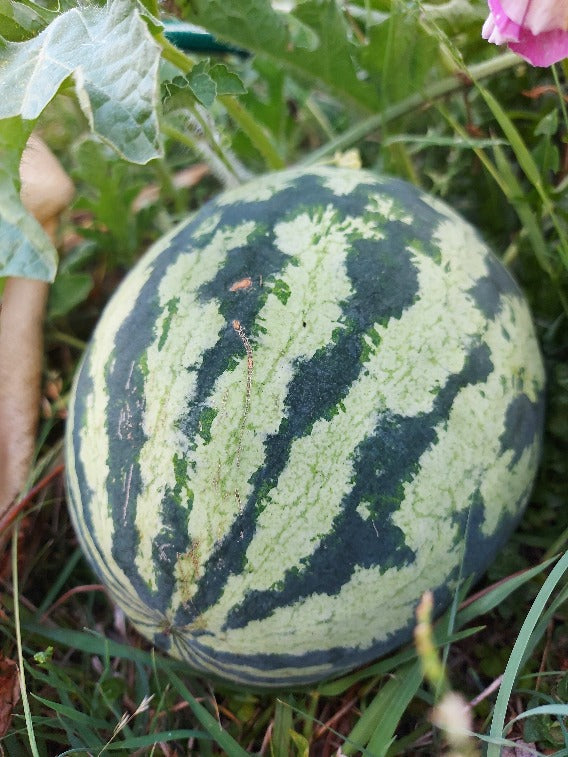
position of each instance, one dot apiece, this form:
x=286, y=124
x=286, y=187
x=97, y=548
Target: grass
x=90, y=685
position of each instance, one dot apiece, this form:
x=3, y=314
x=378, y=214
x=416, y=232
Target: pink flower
x=535, y=29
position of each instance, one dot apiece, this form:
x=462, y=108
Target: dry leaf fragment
x=9, y=692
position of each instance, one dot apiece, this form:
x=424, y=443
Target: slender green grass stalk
x=258, y=135
x=560, y=98
x=201, y=147
x=528, y=165
x=448, y=86
x=72, y=341
x=377, y=725
x=347, y=742
x=214, y=728
x=504, y=176
x=518, y=653
x=23, y=687
x=59, y=582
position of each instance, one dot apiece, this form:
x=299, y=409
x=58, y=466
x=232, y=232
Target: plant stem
x=218, y=161
x=23, y=689
x=438, y=89
x=254, y=131
x=68, y=339
x=174, y=55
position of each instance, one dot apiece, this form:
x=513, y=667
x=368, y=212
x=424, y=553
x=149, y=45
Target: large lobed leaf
x=113, y=60
x=110, y=55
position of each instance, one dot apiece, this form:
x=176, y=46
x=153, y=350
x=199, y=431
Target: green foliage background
x=416, y=91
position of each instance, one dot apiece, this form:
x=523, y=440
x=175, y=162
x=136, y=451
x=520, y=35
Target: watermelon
x=316, y=398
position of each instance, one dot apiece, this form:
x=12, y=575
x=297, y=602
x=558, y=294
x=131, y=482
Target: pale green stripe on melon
x=317, y=283
x=430, y=341
x=93, y=433
x=401, y=376
x=322, y=617
x=389, y=208
x=425, y=515
x=519, y=364
x=342, y=182
x=172, y=363
x=468, y=453
x=306, y=500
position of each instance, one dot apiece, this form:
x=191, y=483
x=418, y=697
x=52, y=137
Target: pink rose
x=535, y=29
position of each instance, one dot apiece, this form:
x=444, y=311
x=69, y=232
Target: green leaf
x=488, y=601
x=69, y=712
x=548, y=125
x=19, y=21
x=455, y=15
x=561, y=710
x=301, y=34
x=301, y=743
x=68, y=291
x=282, y=729
x=394, y=698
x=108, y=185
x=377, y=725
x=254, y=25
x=520, y=149
x=26, y=249
x=227, y=82
x=202, y=85
x=113, y=60
x=399, y=75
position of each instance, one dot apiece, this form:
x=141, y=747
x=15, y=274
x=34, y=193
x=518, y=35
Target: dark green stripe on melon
x=384, y=462
x=384, y=284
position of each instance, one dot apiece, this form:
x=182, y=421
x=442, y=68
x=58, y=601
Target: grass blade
x=517, y=654
x=527, y=164
x=494, y=597
x=93, y=643
x=150, y=739
x=396, y=702
x=280, y=741
x=525, y=159
x=23, y=689
x=334, y=688
x=377, y=724
x=211, y=725
x=72, y=714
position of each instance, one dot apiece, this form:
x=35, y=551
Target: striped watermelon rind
x=315, y=399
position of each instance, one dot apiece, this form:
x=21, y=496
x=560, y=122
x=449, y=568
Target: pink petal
x=509, y=30
x=542, y=49
x=535, y=15
x=493, y=34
